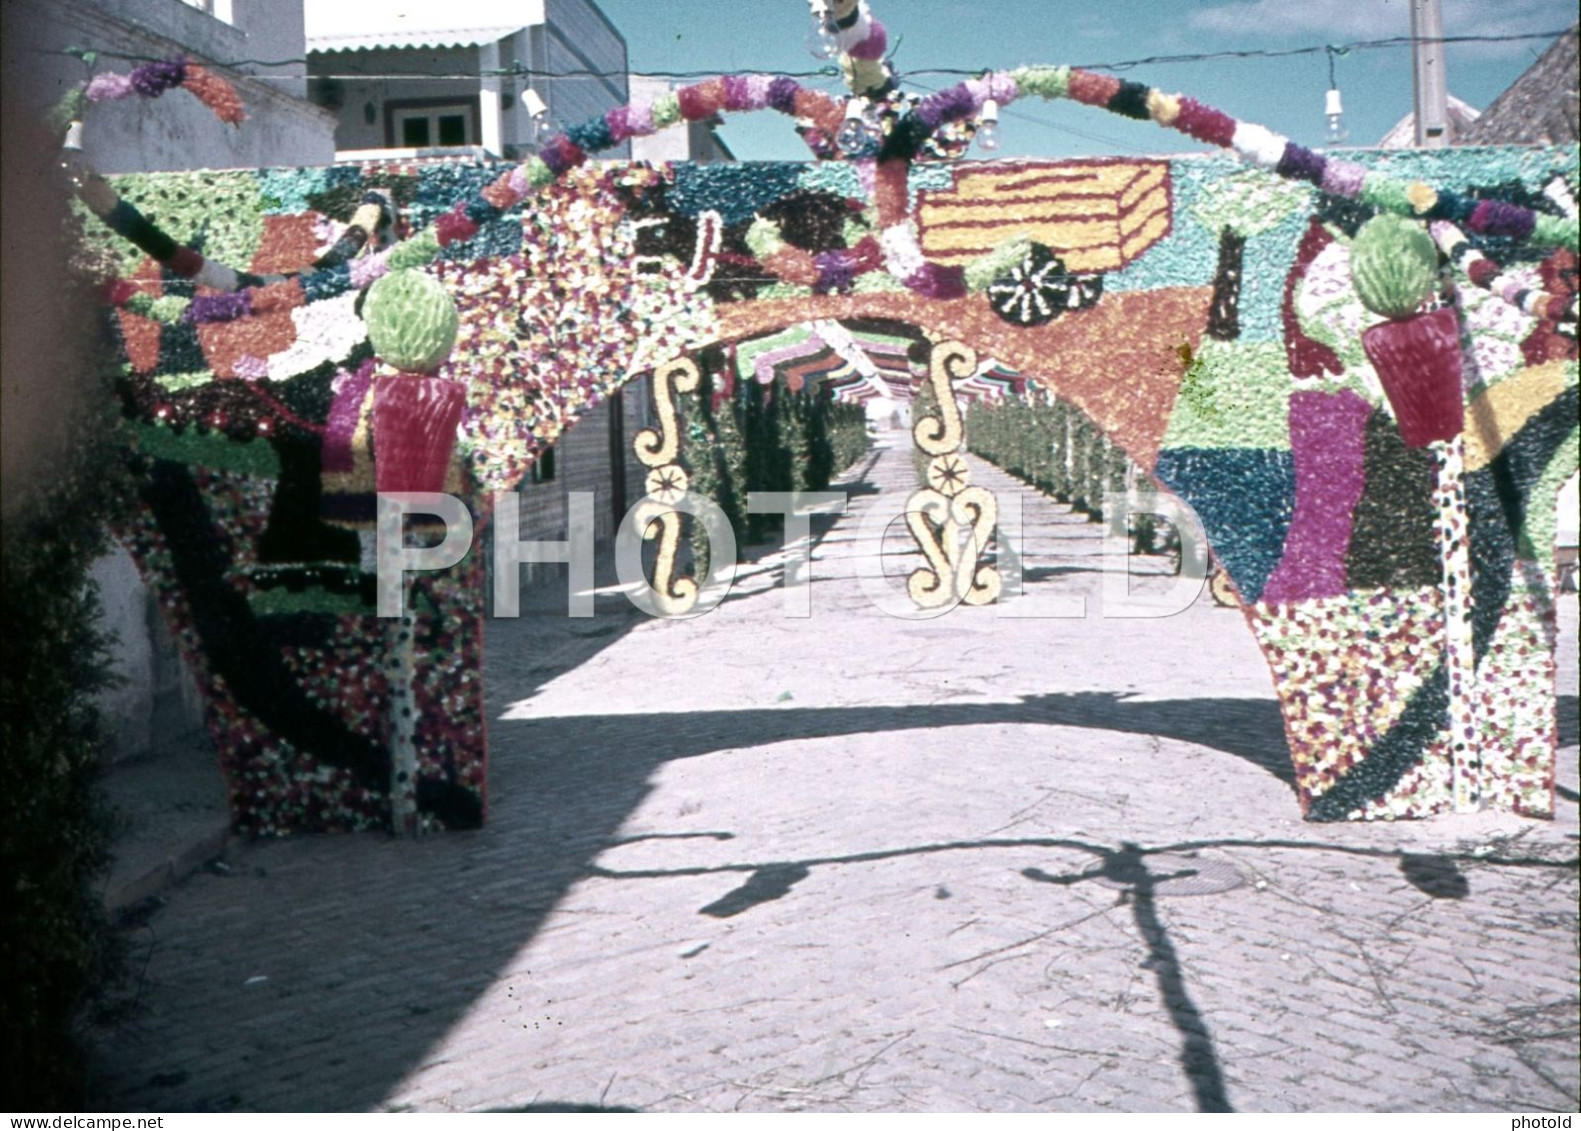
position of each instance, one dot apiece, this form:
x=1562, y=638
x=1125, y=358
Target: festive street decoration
x=656, y=516
x=1394, y=265
x=1385, y=519
x=950, y=506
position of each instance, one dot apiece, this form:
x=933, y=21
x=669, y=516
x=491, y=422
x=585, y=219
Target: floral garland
x=1483, y=272
x=150, y=81
x=247, y=293
x=897, y=241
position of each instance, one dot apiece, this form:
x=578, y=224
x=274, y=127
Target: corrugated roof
x=432, y=38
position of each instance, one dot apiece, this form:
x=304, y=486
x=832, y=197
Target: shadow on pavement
x=1437, y=876
x=1198, y=1058
x=312, y=980
x=369, y=956
x=1250, y=729
x=321, y=982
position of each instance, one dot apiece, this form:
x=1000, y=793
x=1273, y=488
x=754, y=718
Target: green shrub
x=56, y=947
x=758, y=440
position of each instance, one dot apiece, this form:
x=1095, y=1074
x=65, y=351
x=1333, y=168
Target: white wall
x=159, y=703
x=355, y=131
x=176, y=131
x=577, y=37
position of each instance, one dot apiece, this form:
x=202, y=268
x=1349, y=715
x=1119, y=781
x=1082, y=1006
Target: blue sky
x=1284, y=94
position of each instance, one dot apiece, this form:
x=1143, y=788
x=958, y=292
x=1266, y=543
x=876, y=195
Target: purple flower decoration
x=560, y=153
x=110, y=88
x=738, y=93
x=1299, y=163
x=836, y=271
x=219, y=308
x=1343, y=178
x=758, y=91
x=153, y=79
x=935, y=281
x=947, y=105
x=873, y=46
x=1498, y=218
x=1001, y=87
x=619, y=122
x=782, y=94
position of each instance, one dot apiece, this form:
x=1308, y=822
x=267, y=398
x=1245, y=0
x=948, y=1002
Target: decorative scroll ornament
x=951, y=520
x=666, y=484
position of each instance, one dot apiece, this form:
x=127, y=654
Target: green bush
x=1050, y=445
x=763, y=440
x=56, y=947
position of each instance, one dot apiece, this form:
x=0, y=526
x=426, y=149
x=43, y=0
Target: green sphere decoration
x=1393, y=265
x=411, y=320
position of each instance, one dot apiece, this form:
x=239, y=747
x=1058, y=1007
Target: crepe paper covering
x=411, y=321
x=1393, y=266
x=1221, y=350
x=910, y=128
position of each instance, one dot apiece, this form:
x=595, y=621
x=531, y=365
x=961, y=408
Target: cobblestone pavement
x=856, y=862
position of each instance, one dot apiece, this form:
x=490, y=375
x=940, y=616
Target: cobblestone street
x=858, y=862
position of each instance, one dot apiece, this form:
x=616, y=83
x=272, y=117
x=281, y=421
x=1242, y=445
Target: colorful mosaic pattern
x=1207, y=324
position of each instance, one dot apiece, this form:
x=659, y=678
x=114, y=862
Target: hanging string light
x=537, y=114
x=988, y=126
x=1333, y=109
x=823, y=40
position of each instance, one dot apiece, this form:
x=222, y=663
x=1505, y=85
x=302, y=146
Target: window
x=219, y=9
x=543, y=467
x=425, y=127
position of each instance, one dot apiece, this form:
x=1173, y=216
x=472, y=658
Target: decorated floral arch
x=296, y=341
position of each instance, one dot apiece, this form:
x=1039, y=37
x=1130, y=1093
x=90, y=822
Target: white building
x=178, y=132
x=414, y=79
x=157, y=702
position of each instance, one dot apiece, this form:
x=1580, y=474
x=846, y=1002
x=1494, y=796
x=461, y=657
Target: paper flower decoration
x=412, y=321
x=1394, y=265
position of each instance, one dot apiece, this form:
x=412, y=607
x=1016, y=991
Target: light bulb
x=822, y=42
x=1332, y=111
x=852, y=136
x=855, y=135
x=988, y=126
x=873, y=122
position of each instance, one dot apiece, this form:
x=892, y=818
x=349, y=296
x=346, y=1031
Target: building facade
x=435, y=87
x=157, y=702
x=258, y=45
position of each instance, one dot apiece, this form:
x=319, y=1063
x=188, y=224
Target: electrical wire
x=520, y=70
x=1045, y=123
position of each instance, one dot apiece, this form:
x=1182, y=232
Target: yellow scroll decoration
x=666, y=484
x=951, y=520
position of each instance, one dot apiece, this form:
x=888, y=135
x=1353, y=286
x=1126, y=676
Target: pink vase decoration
x=414, y=431
x=1418, y=360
